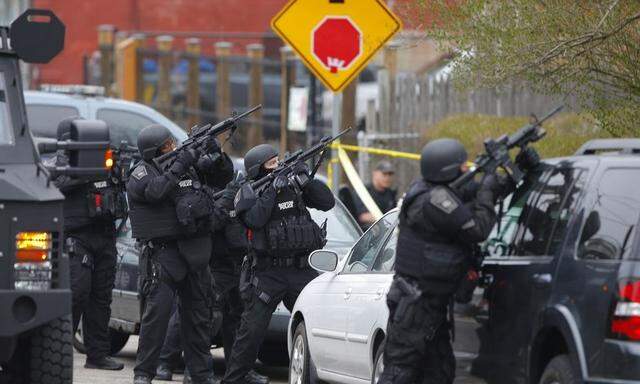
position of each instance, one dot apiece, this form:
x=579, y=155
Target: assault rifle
x=286, y=166
x=200, y=135
x=497, y=151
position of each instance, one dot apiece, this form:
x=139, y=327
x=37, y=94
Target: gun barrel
x=248, y=112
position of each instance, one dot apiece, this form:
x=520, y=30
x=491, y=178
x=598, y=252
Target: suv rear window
x=610, y=226
x=123, y=125
x=43, y=119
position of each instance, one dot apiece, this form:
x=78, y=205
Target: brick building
x=241, y=22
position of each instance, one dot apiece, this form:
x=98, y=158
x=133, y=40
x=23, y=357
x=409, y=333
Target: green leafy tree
x=562, y=47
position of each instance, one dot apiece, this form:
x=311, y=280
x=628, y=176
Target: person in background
x=380, y=190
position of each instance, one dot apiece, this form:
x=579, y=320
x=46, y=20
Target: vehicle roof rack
x=610, y=146
x=74, y=89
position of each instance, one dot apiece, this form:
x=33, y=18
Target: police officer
x=172, y=214
x=437, y=232
x=90, y=209
x=281, y=236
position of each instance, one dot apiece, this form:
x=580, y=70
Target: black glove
x=186, y=158
x=211, y=145
x=229, y=194
x=528, y=159
x=491, y=183
x=280, y=182
x=301, y=175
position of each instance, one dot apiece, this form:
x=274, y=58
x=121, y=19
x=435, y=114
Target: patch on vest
x=185, y=183
x=443, y=199
x=140, y=172
x=285, y=205
x=232, y=213
x=100, y=184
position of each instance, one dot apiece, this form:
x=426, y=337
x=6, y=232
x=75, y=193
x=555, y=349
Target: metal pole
x=335, y=129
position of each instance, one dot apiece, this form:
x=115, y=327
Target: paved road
x=277, y=375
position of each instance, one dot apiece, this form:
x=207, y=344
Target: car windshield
x=340, y=225
x=6, y=129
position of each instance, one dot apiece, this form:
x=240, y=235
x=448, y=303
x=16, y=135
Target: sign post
x=336, y=39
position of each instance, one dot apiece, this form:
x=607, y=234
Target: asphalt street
x=278, y=375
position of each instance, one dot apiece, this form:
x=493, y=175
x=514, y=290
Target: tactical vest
x=194, y=204
x=94, y=203
x=290, y=230
x=154, y=220
x=425, y=252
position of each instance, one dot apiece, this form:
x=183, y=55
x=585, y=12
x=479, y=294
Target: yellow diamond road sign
x=336, y=38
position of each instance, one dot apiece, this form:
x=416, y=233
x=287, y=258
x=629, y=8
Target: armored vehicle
x=35, y=298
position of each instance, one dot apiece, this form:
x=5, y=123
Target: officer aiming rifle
x=201, y=137
x=290, y=163
x=497, y=151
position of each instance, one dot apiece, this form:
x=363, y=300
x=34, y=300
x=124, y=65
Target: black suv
x=562, y=300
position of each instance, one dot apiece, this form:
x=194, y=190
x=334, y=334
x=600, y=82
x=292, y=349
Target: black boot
x=138, y=379
x=187, y=377
x=254, y=377
x=163, y=372
x=105, y=363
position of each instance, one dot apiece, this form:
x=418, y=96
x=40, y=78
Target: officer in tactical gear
x=281, y=235
x=439, y=228
x=90, y=211
x=172, y=214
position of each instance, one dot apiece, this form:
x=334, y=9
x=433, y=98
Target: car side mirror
x=323, y=260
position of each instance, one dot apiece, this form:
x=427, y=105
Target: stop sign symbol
x=336, y=42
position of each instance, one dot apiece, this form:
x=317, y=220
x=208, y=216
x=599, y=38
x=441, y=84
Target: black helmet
x=441, y=160
x=257, y=156
x=151, y=139
x=64, y=128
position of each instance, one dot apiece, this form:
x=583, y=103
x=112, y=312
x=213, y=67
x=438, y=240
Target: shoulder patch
x=139, y=172
x=443, y=199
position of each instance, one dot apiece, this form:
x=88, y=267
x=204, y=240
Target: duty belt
x=285, y=262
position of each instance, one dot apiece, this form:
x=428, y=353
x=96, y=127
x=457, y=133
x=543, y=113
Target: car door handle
x=541, y=279
x=379, y=294
x=347, y=294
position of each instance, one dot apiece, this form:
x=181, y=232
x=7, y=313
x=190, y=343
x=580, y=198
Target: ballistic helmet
x=256, y=157
x=64, y=128
x=151, y=139
x=441, y=160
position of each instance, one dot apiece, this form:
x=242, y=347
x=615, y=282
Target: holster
x=247, y=273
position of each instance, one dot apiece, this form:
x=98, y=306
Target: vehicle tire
x=78, y=339
x=560, y=371
x=300, y=365
x=51, y=353
x=274, y=357
x=117, y=339
x=378, y=364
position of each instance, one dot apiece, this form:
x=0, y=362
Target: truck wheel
x=51, y=353
x=273, y=356
x=299, y=368
x=378, y=364
x=78, y=339
x=118, y=340
x=560, y=371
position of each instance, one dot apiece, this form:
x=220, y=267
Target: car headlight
x=32, y=267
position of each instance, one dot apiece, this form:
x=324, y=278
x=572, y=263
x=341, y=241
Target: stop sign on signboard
x=336, y=42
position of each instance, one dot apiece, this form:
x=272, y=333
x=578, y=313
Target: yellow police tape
x=358, y=185
x=376, y=151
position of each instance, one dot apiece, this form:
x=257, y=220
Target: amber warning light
x=33, y=246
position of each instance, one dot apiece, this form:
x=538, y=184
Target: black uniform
x=437, y=233
x=90, y=209
x=281, y=234
x=171, y=213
